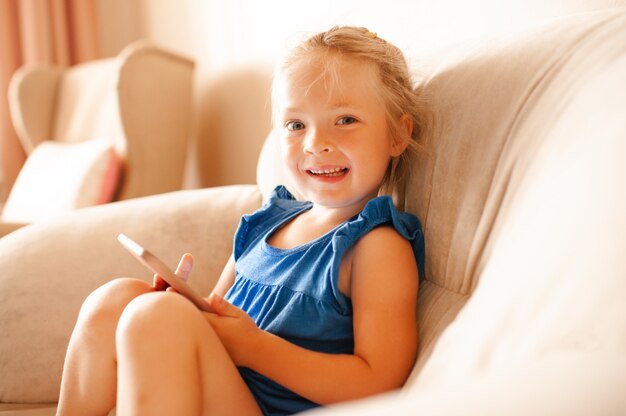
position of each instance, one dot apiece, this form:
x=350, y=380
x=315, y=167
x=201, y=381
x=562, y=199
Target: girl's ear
x=405, y=126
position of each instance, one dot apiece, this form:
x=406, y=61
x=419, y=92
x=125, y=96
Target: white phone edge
x=153, y=263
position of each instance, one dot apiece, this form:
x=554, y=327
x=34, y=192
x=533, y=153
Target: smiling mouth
x=328, y=173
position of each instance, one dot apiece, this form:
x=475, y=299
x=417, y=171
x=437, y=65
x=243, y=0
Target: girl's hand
x=234, y=327
x=183, y=270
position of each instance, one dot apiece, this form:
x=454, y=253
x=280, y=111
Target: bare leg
x=89, y=379
x=170, y=361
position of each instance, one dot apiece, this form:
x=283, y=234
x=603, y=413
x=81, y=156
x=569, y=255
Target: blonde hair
x=399, y=95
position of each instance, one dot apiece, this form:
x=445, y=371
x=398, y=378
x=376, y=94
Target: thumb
x=222, y=307
x=184, y=266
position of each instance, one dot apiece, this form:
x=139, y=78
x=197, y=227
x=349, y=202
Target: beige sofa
x=522, y=193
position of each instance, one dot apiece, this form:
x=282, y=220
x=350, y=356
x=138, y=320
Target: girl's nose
x=317, y=143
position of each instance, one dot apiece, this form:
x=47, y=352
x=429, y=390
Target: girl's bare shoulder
x=384, y=250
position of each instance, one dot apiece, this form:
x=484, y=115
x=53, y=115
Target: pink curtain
x=61, y=32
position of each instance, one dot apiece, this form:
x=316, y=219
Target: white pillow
x=60, y=177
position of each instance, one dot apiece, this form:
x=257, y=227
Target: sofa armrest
x=9, y=227
x=49, y=268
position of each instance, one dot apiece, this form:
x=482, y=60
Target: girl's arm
x=226, y=279
x=383, y=290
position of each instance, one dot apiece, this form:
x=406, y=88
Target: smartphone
x=153, y=263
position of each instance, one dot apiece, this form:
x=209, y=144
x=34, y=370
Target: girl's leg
x=88, y=386
x=171, y=362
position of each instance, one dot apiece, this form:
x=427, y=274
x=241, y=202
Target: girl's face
x=333, y=131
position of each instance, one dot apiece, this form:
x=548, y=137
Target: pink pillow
x=60, y=177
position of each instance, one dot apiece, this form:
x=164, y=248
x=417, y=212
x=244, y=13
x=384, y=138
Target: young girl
x=317, y=303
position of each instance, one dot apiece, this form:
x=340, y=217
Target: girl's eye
x=346, y=120
x=294, y=125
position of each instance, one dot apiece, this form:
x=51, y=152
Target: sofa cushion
x=60, y=177
x=557, y=384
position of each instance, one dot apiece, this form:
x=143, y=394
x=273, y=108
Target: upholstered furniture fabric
x=52, y=266
x=140, y=101
x=58, y=178
x=521, y=189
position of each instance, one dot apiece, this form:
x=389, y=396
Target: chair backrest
x=140, y=100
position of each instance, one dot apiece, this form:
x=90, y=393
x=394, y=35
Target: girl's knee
x=154, y=313
x=109, y=300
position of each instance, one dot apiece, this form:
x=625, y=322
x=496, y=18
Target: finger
x=158, y=283
x=210, y=316
x=184, y=266
x=222, y=307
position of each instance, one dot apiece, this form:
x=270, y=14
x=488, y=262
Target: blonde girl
x=317, y=303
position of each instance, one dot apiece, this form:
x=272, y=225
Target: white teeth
x=326, y=171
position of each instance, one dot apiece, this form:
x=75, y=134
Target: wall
x=236, y=44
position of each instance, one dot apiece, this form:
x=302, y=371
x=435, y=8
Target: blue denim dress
x=293, y=293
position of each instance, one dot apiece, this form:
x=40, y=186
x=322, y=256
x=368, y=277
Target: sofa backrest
x=516, y=180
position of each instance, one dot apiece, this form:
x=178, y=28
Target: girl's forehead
x=335, y=78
